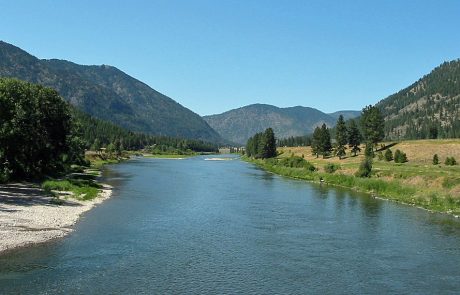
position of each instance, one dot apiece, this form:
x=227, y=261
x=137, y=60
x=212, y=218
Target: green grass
x=393, y=189
x=81, y=189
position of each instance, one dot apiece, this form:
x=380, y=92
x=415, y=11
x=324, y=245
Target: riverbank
x=417, y=182
x=28, y=215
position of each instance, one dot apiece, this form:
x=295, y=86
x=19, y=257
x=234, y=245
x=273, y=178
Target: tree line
x=262, y=145
x=98, y=134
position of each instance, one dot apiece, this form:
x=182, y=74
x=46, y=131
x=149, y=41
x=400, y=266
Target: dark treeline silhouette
x=262, y=145
x=294, y=141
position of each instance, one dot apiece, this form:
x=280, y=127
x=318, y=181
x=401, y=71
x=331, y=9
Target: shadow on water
x=322, y=190
x=448, y=225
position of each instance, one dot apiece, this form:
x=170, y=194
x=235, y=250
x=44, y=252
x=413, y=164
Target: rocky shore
x=29, y=216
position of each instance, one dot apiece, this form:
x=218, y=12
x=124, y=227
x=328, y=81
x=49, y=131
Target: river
x=226, y=227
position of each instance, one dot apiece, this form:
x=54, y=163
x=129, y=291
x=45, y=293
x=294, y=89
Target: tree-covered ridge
x=97, y=133
x=107, y=93
x=429, y=108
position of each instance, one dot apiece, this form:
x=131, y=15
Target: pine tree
x=354, y=137
x=373, y=125
x=341, y=137
x=269, y=144
x=325, y=141
x=316, y=142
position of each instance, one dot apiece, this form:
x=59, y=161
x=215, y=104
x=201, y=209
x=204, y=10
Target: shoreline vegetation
x=417, y=182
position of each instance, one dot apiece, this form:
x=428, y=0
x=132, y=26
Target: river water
x=226, y=227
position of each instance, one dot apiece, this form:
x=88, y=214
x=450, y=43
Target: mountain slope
x=429, y=108
x=346, y=114
x=239, y=124
x=107, y=93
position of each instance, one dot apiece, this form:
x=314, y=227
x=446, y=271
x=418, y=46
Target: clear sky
x=212, y=56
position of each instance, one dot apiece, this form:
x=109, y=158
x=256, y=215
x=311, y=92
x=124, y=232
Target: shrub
x=400, y=157
x=388, y=155
x=369, y=150
x=435, y=159
x=331, y=167
x=296, y=162
x=365, y=168
x=380, y=156
x=450, y=161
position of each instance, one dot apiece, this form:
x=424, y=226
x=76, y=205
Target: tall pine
x=354, y=137
x=373, y=125
x=341, y=137
x=316, y=142
x=325, y=143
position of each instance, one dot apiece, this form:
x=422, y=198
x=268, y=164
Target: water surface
x=194, y=226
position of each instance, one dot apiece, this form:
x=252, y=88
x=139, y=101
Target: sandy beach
x=28, y=217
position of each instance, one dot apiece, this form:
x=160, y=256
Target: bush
x=369, y=150
x=400, y=157
x=450, y=161
x=388, y=155
x=435, y=159
x=365, y=168
x=296, y=162
x=331, y=167
x=380, y=156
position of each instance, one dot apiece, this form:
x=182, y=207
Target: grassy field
x=417, y=182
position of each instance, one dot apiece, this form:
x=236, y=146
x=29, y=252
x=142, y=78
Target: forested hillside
x=96, y=133
x=240, y=124
x=107, y=93
x=429, y=108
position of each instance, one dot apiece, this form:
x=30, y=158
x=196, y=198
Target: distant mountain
x=239, y=124
x=107, y=93
x=429, y=108
x=346, y=114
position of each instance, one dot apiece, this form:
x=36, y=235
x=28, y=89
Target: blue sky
x=212, y=56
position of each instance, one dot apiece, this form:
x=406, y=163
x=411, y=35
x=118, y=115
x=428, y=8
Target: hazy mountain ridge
x=428, y=108
x=239, y=124
x=347, y=114
x=107, y=93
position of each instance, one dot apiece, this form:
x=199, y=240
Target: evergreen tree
x=373, y=125
x=269, y=144
x=316, y=142
x=262, y=145
x=354, y=137
x=325, y=141
x=341, y=137
x=435, y=159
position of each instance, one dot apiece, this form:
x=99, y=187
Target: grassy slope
x=416, y=182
